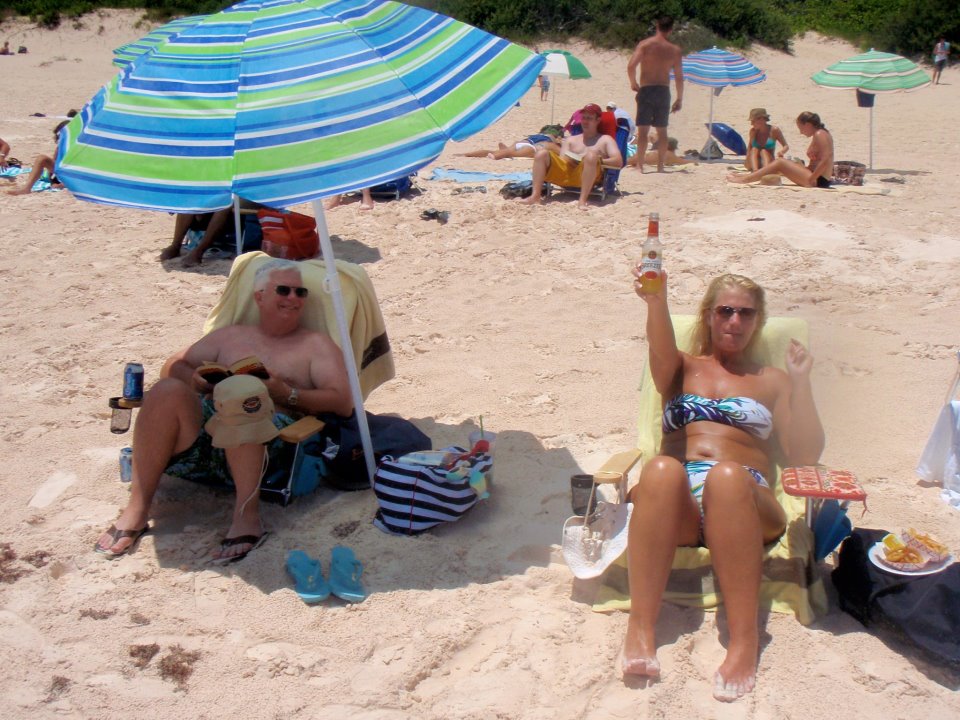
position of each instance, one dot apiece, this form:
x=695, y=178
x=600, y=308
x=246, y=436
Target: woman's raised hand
x=799, y=360
x=646, y=297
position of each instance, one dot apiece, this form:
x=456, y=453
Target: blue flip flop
x=310, y=583
x=345, y=571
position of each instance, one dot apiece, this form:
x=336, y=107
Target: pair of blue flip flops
x=313, y=587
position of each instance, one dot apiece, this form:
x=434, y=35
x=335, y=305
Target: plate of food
x=910, y=553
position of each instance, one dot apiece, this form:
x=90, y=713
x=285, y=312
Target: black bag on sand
x=390, y=435
x=923, y=609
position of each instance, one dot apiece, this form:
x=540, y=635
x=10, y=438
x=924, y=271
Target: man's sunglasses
x=284, y=290
x=727, y=312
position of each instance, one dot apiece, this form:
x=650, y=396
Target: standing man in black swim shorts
x=656, y=56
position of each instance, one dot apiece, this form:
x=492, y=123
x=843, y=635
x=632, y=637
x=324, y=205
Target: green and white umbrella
x=873, y=73
x=287, y=101
x=561, y=63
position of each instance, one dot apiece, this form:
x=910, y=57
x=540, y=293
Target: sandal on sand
x=345, y=571
x=254, y=541
x=310, y=585
x=118, y=535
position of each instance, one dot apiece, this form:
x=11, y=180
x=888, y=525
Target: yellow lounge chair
x=791, y=582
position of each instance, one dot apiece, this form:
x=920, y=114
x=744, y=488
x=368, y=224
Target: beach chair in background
x=298, y=472
x=791, y=581
x=609, y=180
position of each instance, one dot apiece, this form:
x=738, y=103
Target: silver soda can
x=133, y=381
x=126, y=464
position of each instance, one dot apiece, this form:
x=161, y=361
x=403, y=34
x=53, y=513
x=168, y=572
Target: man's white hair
x=262, y=277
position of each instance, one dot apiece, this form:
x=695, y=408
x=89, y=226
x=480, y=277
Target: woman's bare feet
x=736, y=178
x=639, y=654
x=738, y=674
x=19, y=191
x=192, y=259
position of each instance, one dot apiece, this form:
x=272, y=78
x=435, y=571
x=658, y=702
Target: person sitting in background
x=621, y=114
x=549, y=136
x=5, y=50
x=763, y=140
x=366, y=201
x=212, y=225
x=816, y=173
x=4, y=152
x=43, y=166
x=578, y=161
x=724, y=418
x=221, y=441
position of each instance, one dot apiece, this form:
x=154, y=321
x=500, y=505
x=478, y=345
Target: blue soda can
x=133, y=382
x=126, y=464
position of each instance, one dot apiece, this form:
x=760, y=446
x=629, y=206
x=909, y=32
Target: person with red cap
x=578, y=161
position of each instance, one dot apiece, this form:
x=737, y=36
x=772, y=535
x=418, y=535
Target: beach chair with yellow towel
x=791, y=582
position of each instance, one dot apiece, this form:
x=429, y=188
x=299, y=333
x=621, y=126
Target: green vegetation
x=907, y=27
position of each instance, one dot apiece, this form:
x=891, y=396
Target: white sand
x=526, y=316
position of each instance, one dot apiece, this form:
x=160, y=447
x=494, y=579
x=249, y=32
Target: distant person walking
x=656, y=56
x=941, y=51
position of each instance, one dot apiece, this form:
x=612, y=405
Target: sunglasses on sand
x=727, y=312
x=284, y=291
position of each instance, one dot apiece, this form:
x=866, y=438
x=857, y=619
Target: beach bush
x=907, y=27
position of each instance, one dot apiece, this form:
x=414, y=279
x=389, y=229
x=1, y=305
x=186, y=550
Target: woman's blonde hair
x=702, y=339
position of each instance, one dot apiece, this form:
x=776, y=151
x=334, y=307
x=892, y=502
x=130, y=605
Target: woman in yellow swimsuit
x=724, y=416
x=763, y=140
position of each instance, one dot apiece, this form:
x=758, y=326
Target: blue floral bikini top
x=740, y=412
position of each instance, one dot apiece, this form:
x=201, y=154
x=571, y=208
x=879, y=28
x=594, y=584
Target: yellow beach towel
x=368, y=334
x=791, y=581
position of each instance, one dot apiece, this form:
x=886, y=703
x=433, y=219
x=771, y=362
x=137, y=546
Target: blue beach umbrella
x=718, y=69
x=287, y=101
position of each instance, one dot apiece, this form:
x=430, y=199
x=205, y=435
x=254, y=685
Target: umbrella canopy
x=126, y=54
x=873, y=73
x=286, y=101
x=718, y=69
x=562, y=63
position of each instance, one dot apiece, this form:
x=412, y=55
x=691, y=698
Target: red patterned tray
x=822, y=482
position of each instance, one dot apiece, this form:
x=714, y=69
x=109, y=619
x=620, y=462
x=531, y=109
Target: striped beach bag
x=415, y=497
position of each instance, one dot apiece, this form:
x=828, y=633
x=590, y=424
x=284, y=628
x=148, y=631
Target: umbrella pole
x=236, y=224
x=710, y=127
x=871, y=137
x=346, y=345
x=553, y=100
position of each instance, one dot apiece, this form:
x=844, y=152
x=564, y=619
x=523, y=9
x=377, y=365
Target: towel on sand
x=791, y=581
x=368, y=334
x=471, y=176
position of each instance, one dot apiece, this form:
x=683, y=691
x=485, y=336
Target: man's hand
x=677, y=104
x=199, y=384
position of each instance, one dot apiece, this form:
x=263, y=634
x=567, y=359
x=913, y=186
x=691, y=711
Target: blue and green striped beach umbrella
x=126, y=54
x=873, y=73
x=287, y=101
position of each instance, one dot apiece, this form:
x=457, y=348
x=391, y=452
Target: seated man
x=578, y=162
x=211, y=223
x=172, y=435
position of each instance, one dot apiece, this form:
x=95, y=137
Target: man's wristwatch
x=294, y=397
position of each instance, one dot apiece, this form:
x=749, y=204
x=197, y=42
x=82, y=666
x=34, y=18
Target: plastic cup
x=119, y=416
x=476, y=436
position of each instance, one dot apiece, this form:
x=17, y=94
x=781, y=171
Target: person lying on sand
x=43, y=166
x=578, y=161
x=652, y=156
x=177, y=431
x=4, y=152
x=548, y=137
x=710, y=484
x=816, y=173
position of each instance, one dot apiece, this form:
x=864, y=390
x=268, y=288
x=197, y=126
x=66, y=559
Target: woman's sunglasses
x=727, y=312
x=284, y=290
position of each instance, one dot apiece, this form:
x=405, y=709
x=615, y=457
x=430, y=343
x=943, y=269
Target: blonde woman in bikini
x=819, y=169
x=763, y=140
